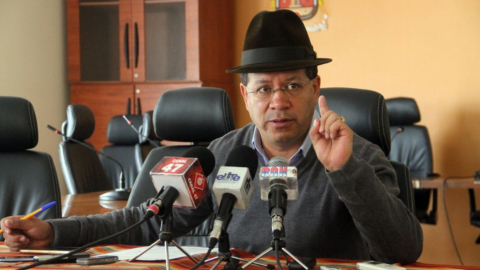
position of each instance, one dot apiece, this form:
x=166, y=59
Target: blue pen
x=38, y=211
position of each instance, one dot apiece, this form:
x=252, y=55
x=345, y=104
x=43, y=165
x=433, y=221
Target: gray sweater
x=352, y=213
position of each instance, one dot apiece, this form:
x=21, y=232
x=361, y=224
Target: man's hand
x=331, y=138
x=22, y=233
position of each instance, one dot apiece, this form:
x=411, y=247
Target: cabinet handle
x=136, y=45
x=139, y=107
x=126, y=47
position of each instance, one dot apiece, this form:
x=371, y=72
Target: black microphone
x=119, y=194
x=234, y=187
x=163, y=202
x=138, y=132
x=398, y=131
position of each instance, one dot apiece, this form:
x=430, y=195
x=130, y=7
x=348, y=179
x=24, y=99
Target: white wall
x=33, y=64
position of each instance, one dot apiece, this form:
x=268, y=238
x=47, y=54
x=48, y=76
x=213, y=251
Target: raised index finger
x=322, y=105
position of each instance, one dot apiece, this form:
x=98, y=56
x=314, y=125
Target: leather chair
x=81, y=165
x=411, y=145
x=148, y=140
x=474, y=213
x=28, y=179
x=366, y=114
x=123, y=140
x=194, y=115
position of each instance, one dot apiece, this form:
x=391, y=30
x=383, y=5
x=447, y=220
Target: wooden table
x=186, y=264
x=87, y=204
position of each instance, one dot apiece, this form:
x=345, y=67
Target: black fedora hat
x=277, y=41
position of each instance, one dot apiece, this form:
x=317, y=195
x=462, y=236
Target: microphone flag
x=184, y=174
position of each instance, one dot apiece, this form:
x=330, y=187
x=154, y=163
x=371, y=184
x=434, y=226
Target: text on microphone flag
x=274, y=171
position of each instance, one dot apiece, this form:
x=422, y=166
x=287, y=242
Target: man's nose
x=279, y=99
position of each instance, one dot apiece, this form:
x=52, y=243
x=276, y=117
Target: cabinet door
x=93, y=40
x=132, y=40
x=167, y=35
x=105, y=101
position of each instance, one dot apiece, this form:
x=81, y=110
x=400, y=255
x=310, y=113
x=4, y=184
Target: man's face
x=282, y=117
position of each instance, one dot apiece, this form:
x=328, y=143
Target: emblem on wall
x=305, y=9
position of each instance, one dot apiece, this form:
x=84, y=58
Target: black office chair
x=366, y=114
x=123, y=140
x=81, y=165
x=195, y=115
x=411, y=145
x=148, y=140
x=474, y=213
x=28, y=179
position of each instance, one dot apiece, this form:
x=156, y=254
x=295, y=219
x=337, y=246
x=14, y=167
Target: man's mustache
x=272, y=116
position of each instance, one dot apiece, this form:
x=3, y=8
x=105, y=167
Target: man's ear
x=316, y=86
x=243, y=90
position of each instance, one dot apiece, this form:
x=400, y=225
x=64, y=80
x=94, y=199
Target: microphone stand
x=224, y=254
x=119, y=194
x=166, y=237
x=281, y=245
x=277, y=208
x=122, y=194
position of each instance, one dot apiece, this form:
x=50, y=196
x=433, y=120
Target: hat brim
x=279, y=66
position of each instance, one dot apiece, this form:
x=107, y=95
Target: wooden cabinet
x=120, y=49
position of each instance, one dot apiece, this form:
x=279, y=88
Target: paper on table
x=157, y=253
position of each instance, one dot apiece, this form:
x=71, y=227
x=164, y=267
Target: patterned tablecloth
x=185, y=263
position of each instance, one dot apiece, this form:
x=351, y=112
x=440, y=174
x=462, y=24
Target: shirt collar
x=296, y=158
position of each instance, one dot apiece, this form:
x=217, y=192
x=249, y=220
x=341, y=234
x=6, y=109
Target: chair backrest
x=24, y=173
x=411, y=145
x=195, y=115
x=366, y=114
x=81, y=165
x=122, y=139
x=148, y=140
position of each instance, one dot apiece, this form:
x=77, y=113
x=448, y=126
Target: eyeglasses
x=266, y=93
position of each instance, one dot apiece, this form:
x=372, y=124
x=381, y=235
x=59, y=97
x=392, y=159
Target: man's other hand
x=22, y=233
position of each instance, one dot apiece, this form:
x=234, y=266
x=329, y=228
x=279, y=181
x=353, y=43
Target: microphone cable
x=447, y=216
x=203, y=259
x=150, y=213
x=277, y=255
x=138, y=132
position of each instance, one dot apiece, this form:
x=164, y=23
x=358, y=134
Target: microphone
x=138, y=132
x=119, y=194
x=163, y=202
x=233, y=187
x=278, y=183
x=186, y=174
x=399, y=130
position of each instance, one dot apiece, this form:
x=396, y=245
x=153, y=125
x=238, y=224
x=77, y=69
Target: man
x=347, y=205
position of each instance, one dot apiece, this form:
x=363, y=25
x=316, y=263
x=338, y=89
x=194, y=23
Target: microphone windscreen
x=243, y=156
x=278, y=161
x=204, y=156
